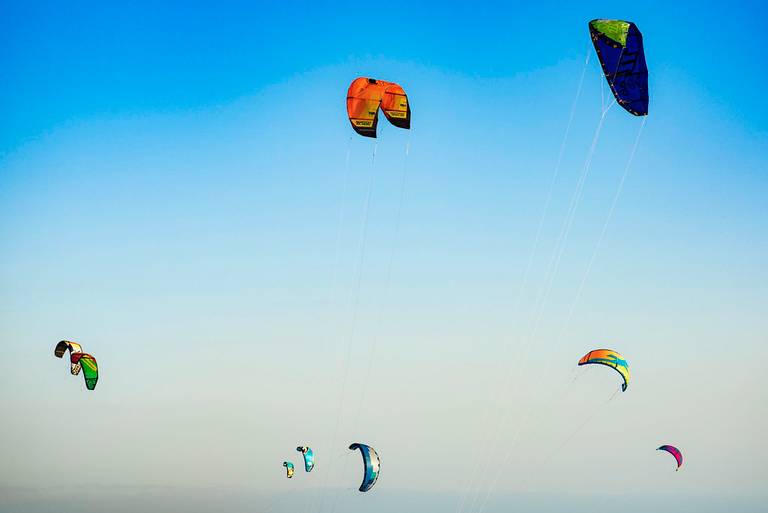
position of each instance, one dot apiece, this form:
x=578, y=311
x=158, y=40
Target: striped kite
x=90, y=368
x=611, y=359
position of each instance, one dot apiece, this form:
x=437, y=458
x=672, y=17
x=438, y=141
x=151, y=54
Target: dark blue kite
x=619, y=45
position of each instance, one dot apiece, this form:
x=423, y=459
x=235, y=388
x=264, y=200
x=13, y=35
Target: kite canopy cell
x=619, y=46
x=371, y=465
x=674, y=451
x=610, y=358
x=73, y=347
x=366, y=96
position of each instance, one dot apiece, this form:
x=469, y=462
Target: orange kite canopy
x=366, y=95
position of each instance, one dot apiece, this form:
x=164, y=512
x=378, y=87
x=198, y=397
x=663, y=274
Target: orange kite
x=366, y=95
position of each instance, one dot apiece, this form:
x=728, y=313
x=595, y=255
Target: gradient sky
x=181, y=192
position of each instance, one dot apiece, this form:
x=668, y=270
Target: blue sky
x=64, y=62
x=176, y=197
